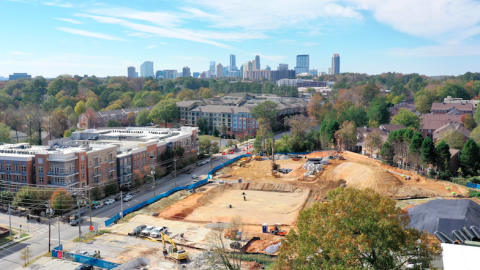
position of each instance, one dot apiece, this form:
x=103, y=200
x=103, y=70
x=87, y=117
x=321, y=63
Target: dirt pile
x=268, y=187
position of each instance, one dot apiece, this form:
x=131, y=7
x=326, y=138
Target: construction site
x=266, y=199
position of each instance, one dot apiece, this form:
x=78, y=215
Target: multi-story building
x=313, y=72
x=303, y=63
x=268, y=67
x=336, y=63
x=450, y=100
x=282, y=66
x=453, y=108
x=146, y=69
x=233, y=63
x=159, y=74
x=257, y=74
x=17, y=76
x=302, y=83
x=131, y=72
x=233, y=110
x=219, y=70
x=257, y=62
x=431, y=122
x=212, y=66
x=170, y=74
x=99, y=119
x=283, y=74
x=196, y=74
x=186, y=72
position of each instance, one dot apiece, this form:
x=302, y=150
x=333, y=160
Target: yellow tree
x=346, y=136
x=61, y=200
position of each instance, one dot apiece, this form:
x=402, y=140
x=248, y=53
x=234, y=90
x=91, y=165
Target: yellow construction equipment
x=257, y=158
x=173, y=253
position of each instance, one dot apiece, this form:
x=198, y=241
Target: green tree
x=80, y=108
x=5, y=133
x=50, y=104
x=443, y=157
x=215, y=132
x=6, y=197
x=346, y=136
x=454, y=138
x=416, y=142
x=428, y=152
x=477, y=116
x=68, y=110
x=469, y=122
x=73, y=119
x=206, y=93
x=92, y=103
x=378, y=112
x=142, y=118
x=406, y=118
x=369, y=92
x=113, y=123
x=475, y=135
x=111, y=188
x=164, y=111
x=131, y=119
x=202, y=125
x=268, y=111
x=367, y=231
x=61, y=201
x=469, y=158
x=96, y=194
x=423, y=104
x=224, y=129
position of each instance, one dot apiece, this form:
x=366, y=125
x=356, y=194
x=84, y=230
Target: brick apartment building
x=431, y=122
x=101, y=118
x=459, y=108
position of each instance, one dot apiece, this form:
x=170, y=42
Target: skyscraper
x=17, y=76
x=257, y=62
x=282, y=66
x=303, y=63
x=268, y=67
x=131, y=72
x=336, y=63
x=170, y=74
x=186, y=72
x=146, y=69
x=159, y=74
x=219, y=70
x=233, y=63
x=254, y=65
x=212, y=66
x=196, y=74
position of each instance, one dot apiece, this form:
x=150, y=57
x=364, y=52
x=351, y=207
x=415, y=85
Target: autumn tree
x=407, y=118
x=454, y=138
x=14, y=119
x=164, y=110
x=138, y=178
x=61, y=201
x=346, y=136
x=366, y=231
x=372, y=142
x=131, y=118
x=90, y=115
x=206, y=93
x=468, y=121
x=92, y=103
x=370, y=91
x=80, y=107
x=314, y=106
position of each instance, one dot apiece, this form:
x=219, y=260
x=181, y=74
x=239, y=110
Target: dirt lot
x=261, y=171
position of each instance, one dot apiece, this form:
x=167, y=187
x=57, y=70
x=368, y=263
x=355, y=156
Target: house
x=363, y=132
x=444, y=108
x=431, y=122
x=395, y=109
x=456, y=126
x=454, y=160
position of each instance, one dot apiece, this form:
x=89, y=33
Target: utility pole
x=49, y=229
x=90, y=200
x=10, y=220
x=175, y=170
x=58, y=231
x=121, y=204
x=154, y=180
x=79, y=219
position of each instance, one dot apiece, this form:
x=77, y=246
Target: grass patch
x=259, y=258
x=90, y=235
x=474, y=193
x=210, y=137
x=6, y=239
x=24, y=235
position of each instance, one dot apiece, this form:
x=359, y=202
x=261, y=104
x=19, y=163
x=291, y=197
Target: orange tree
x=61, y=200
x=355, y=229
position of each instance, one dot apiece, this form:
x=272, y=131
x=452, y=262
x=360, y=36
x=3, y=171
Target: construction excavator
x=173, y=253
x=277, y=230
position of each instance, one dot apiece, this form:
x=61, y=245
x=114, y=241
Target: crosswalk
x=43, y=229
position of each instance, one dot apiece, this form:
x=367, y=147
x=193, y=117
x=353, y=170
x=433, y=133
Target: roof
x=451, y=106
x=451, y=126
x=435, y=121
x=122, y=111
x=383, y=130
x=445, y=215
x=394, y=110
x=186, y=103
x=459, y=256
x=453, y=152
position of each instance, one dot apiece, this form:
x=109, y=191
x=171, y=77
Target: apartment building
x=448, y=108
x=100, y=119
x=431, y=122
x=451, y=100
x=233, y=110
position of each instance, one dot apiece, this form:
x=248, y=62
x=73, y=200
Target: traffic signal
x=28, y=217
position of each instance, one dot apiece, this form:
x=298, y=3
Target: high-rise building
x=136, y=74
x=196, y=74
x=282, y=66
x=313, y=72
x=212, y=66
x=170, y=74
x=159, y=74
x=131, y=72
x=268, y=67
x=146, y=69
x=219, y=70
x=241, y=70
x=329, y=71
x=336, y=63
x=233, y=63
x=257, y=62
x=303, y=63
x=254, y=65
x=186, y=72
x=17, y=76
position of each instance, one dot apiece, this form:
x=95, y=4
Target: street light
x=152, y=171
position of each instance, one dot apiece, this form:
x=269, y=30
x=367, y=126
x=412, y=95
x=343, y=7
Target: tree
x=428, y=152
x=96, y=194
x=387, y=153
x=369, y=92
x=443, y=157
x=14, y=119
x=202, y=125
x=25, y=255
x=224, y=129
x=378, y=112
x=366, y=231
x=423, y=104
x=477, y=116
x=56, y=124
x=475, y=135
x=469, y=122
x=416, y=142
x=469, y=158
x=111, y=188
x=454, y=138
x=204, y=146
x=314, y=106
x=164, y=110
x=346, y=136
x=142, y=118
x=406, y=118
x=215, y=132
x=373, y=141
x=268, y=111
x=206, y=93
x=6, y=197
x=92, y=103
x=138, y=178
x=80, y=108
x=131, y=119
x=113, y=123
x=61, y=200
x=5, y=133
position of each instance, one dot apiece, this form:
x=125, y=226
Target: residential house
x=455, y=126
x=363, y=132
x=444, y=108
x=431, y=122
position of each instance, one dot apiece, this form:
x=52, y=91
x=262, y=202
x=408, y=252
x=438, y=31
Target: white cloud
x=308, y=44
x=437, y=51
x=60, y=4
x=138, y=34
x=69, y=20
x=152, y=46
x=157, y=17
x=19, y=53
x=88, y=33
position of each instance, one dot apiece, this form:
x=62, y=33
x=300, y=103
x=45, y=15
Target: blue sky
x=52, y=37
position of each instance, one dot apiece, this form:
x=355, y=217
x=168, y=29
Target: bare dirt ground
x=261, y=171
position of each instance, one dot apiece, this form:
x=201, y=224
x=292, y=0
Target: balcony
x=96, y=165
x=63, y=184
x=62, y=173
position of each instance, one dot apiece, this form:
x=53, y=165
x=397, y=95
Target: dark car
x=137, y=230
x=84, y=267
x=75, y=222
x=81, y=214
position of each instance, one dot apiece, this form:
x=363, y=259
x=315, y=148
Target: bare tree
x=14, y=119
x=373, y=141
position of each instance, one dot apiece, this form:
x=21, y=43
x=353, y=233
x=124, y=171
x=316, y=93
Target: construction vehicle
x=276, y=230
x=233, y=234
x=257, y=158
x=173, y=253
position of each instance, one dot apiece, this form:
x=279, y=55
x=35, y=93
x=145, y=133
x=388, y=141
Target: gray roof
x=122, y=111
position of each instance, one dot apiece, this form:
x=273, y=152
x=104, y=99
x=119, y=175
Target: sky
x=102, y=38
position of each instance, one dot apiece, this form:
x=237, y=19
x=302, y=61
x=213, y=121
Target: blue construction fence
x=472, y=185
x=58, y=253
x=113, y=219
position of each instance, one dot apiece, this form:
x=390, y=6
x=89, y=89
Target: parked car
x=147, y=230
x=84, y=267
x=200, y=163
x=204, y=162
x=76, y=215
x=194, y=176
x=119, y=196
x=127, y=198
x=98, y=205
x=190, y=171
x=93, y=254
x=109, y=201
x=208, y=160
x=75, y=222
x=137, y=230
x=83, y=253
x=157, y=231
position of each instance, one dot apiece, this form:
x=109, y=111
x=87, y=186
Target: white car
x=109, y=201
x=208, y=160
x=127, y=198
x=157, y=231
x=147, y=230
x=98, y=205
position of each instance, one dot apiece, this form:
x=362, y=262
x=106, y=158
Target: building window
x=40, y=169
x=40, y=179
x=24, y=178
x=9, y=177
x=40, y=160
x=1, y=166
x=8, y=167
x=83, y=175
x=24, y=168
x=83, y=166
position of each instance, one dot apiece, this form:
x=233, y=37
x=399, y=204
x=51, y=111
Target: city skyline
x=102, y=38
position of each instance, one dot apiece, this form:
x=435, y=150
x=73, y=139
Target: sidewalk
x=16, y=240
